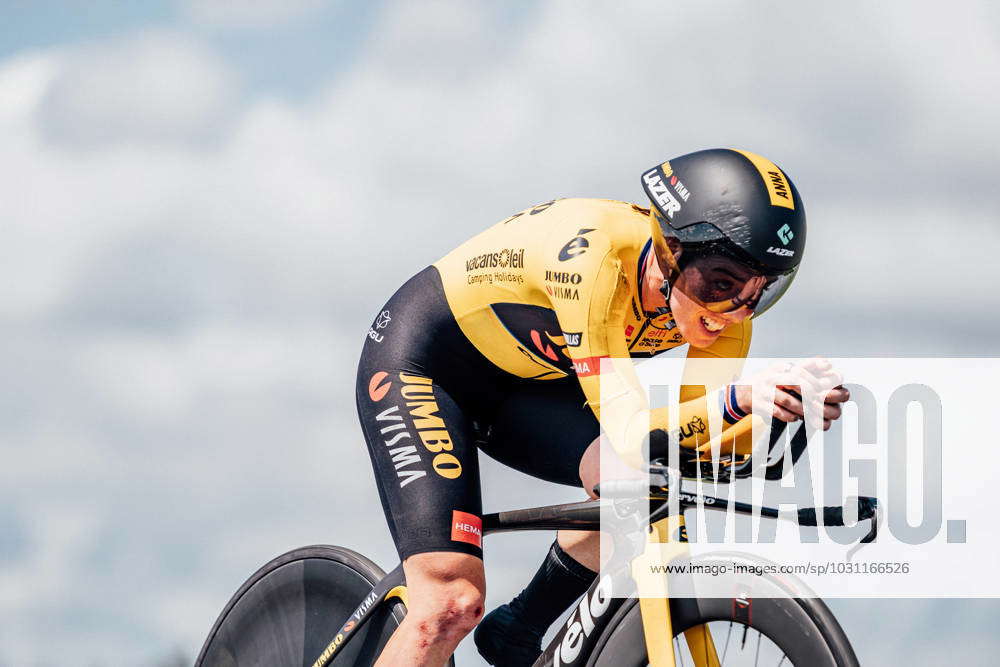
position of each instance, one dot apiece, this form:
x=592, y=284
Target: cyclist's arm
x=599, y=316
x=733, y=344
x=707, y=377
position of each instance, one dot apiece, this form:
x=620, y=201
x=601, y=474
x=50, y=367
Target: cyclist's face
x=705, y=294
x=716, y=279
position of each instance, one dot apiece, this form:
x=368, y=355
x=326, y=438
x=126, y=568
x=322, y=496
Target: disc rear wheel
x=287, y=613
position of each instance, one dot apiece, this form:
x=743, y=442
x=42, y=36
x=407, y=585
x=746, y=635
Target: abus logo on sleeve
x=467, y=528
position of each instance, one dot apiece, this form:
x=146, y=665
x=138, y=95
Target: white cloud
x=153, y=87
x=250, y=13
x=24, y=79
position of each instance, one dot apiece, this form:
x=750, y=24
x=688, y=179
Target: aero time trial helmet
x=732, y=203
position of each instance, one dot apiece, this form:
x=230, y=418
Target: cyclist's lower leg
x=445, y=602
x=511, y=634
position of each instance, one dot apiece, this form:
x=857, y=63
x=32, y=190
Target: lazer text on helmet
x=668, y=203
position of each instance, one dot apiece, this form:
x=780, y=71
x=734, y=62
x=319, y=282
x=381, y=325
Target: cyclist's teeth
x=711, y=325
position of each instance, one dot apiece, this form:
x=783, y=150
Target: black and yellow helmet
x=728, y=202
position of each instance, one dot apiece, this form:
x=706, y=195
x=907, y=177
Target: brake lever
x=876, y=518
x=877, y=515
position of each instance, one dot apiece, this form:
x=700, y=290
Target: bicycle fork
x=655, y=605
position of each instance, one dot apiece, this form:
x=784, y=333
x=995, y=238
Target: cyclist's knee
x=455, y=613
x=600, y=460
x=590, y=468
x=448, y=614
x=447, y=594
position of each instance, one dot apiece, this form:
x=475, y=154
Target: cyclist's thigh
x=543, y=429
x=419, y=438
x=425, y=462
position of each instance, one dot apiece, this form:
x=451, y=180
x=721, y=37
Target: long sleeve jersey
x=553, y=290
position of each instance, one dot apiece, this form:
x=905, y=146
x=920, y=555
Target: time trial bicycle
x=326, y=605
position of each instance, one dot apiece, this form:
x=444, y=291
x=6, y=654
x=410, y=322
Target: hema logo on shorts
x=467, y=528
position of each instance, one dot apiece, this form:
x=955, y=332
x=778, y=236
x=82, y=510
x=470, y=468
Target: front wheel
x=288, y=611
x=768, y=625
x=782, y=632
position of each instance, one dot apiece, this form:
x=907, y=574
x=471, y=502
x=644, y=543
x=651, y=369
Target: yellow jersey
x=553, y=290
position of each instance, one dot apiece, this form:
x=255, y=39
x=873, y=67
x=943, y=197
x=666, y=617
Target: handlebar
x=664, y=485
x=776, y=469
x=749, y=465
x=834, y=516
x=660, y=480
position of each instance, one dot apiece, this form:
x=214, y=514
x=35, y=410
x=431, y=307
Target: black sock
x=559, y=582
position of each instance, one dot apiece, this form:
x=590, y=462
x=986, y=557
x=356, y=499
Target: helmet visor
x=723, y=284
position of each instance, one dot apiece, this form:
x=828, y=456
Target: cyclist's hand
x=781, y=390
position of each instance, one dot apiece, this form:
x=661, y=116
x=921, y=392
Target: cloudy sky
x=206, y=201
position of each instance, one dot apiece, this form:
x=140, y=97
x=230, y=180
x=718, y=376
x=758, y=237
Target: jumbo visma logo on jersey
x=419, y=413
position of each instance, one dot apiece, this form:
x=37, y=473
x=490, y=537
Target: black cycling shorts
x=428, y=399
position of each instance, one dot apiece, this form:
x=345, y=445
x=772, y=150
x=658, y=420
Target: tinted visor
x=715, y=273
x=722, y=283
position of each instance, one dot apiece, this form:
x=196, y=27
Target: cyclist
x=498, y=346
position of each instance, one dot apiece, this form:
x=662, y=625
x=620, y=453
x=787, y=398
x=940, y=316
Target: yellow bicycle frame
x=656, y=622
